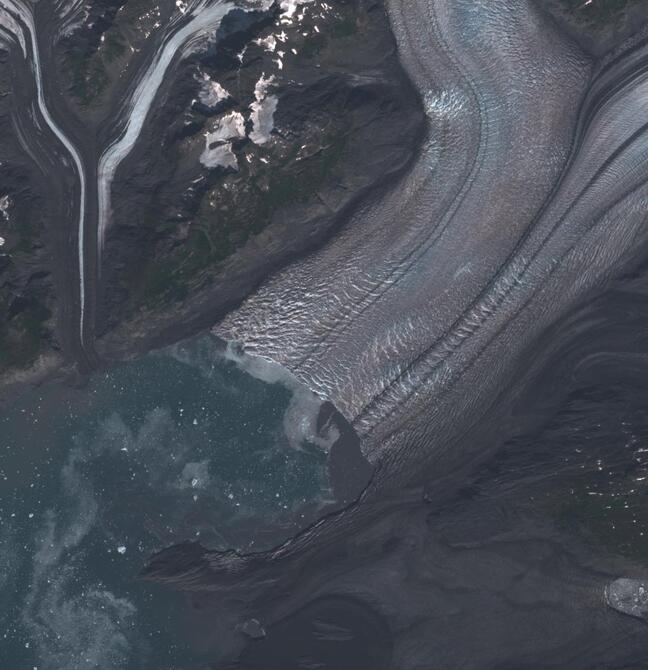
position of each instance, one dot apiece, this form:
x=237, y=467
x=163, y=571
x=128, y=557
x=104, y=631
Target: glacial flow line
x=205, y=16
x=13, y=9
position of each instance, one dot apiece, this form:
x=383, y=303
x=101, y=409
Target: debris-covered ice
x=628, y=596
x=252, y=628
x=5, y=203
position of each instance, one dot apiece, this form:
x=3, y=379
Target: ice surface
x=628, y=596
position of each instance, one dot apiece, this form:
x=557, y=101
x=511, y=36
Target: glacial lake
x=182, y=444
x=197, y=443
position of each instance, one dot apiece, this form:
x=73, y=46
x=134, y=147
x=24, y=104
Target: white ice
x=263, y=110
x=218, y=142
x=8, y=8
x=203, y=18
x=211, y=92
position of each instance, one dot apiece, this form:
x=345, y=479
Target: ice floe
x=195, y=475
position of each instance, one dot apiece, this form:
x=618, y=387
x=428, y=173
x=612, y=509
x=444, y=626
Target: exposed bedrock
x=597, y=26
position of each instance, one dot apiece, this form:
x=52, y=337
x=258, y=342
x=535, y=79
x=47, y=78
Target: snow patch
x=205, y=19
x=269, y=43
x=218, y=143
x=211, y=92
x=263, y=110
x=289, y=7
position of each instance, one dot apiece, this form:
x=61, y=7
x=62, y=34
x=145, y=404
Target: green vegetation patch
x=90, y=70
x=88, y=75
x=238, y=207
x=21, y=336
x=614, y=519
x=344, y=24
x=22, y=234
x=597, y=456
x=290, y=170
